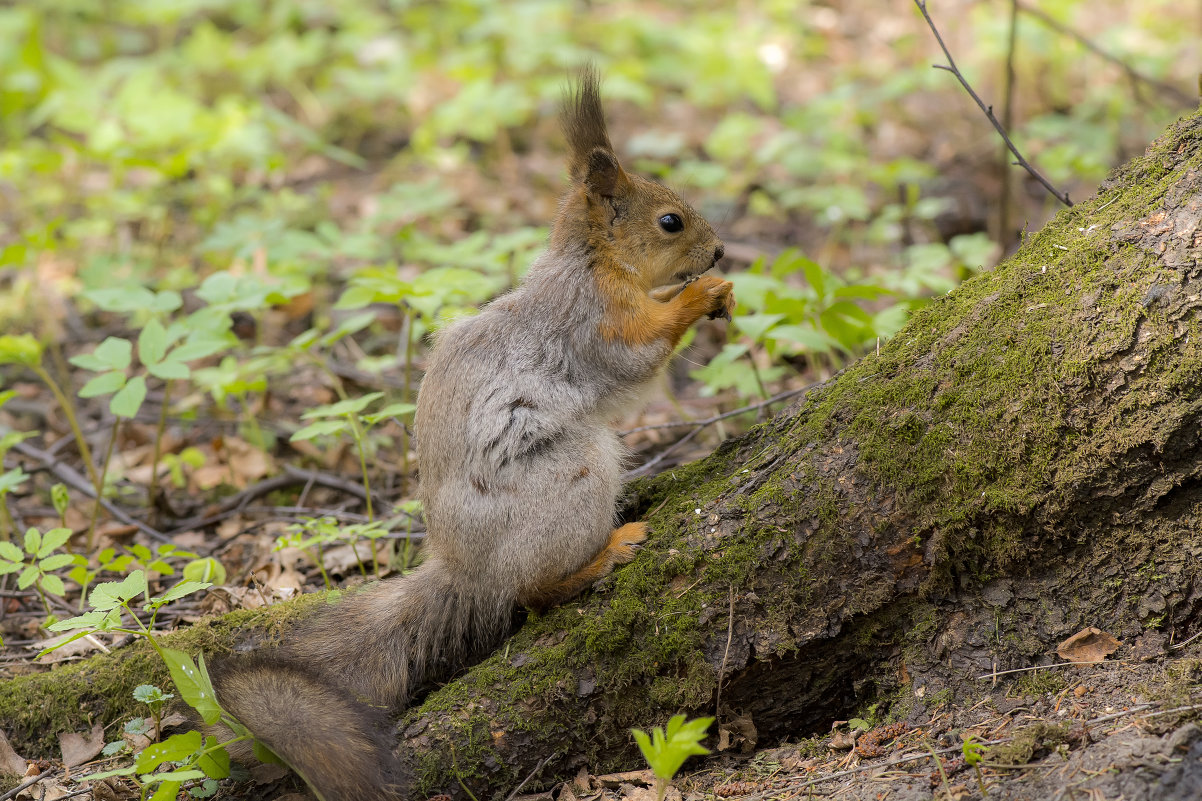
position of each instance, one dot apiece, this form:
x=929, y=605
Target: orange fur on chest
x=633, y=318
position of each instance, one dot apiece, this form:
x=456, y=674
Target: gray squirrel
x=519, y=470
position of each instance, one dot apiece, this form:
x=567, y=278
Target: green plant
x=666, y=751
x=974, y=752
x=37, y=561
x=194, y=757
x=346, y=417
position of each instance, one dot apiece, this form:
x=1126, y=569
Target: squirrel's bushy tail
x=323, y=702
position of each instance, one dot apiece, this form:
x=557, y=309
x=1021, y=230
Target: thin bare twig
x=954, y=70
x=533, y=773
x=700, y=424
x=1053, y=665
x=25, y=784
x=777, y=398
x=730, y=634
x=1186, y=642
x=1178, y=95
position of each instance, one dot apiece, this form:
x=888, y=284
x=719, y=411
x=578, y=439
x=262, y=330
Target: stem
x=69, y=411
x=158, y=445
x=980, y=780
x=1008, y=123
x=37, y=585
x=6, y=520
x=252, y=423
x=108, y=455
x=317, y=559
x=947, y=786
x=406, y=394
x=360, y=435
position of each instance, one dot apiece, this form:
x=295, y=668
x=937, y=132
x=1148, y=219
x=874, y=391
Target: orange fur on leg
x=621, y=548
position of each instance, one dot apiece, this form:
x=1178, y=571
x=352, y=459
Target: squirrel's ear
x=603, y=175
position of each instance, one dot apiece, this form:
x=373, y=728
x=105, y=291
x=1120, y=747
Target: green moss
x=1027, y=742
x=1041, y=682
x=37, y=708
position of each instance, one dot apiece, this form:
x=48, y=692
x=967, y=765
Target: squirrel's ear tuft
x=603, y=175
x=583, y=124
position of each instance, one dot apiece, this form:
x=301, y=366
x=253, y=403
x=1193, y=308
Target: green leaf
x=129, y=399
x=756, y=325
x=319, y=429
x=61, y=498
x=12, y=479
x=815, y=277
x=11, y=552
x=70, y=639
x=152, y=343
x=111, y=594
x=148, y=693
x=56, y=561
x=193, y=684
x=23, y=349
x=216, y=762
x=171, y=782
x=342, y=408
x=205, y=570
x=176, y=748
x=391, y=410
x=89, y=622
x=103, y=384
x=52, y=540
x=115, y=353
x=33, y=541
x=28, y=576
x=169, y=369
x=666, y=752
x=121, y=298
x=179, y=591
x=53, y=584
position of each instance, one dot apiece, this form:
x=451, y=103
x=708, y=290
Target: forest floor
x=1124, y=728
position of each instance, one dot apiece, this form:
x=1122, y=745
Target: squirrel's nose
x=719, y=252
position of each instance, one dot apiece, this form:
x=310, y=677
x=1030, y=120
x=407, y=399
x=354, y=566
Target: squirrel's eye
x=671, y=223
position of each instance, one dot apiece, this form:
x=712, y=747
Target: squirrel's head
x=644, y=227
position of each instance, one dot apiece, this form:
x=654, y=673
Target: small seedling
x=37, y=561
x=974, y=751
x=666, y=751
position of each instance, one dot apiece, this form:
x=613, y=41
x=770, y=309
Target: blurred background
x=299, y=191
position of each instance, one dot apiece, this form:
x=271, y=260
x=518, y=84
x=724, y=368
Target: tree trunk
x=1021, y=461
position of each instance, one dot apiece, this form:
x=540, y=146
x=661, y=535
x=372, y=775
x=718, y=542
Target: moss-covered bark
x=1020, y=461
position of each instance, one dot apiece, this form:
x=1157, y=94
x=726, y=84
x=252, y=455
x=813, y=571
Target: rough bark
x=1021, y=461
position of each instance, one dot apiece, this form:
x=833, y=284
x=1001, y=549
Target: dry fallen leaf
x=72, y=650
x=79, y=748
x=10, y=763
x=1088, y=645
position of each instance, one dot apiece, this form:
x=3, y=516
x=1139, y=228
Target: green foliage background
x=365, y=151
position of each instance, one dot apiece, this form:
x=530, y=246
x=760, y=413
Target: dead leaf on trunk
x=1088, y=645
x=79, y=748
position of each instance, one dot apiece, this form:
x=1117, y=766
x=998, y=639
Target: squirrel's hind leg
x=622, y=545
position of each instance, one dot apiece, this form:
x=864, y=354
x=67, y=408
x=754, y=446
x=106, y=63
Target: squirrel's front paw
x=720, y=296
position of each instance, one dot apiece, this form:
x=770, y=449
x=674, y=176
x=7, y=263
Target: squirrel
x=519, y=470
